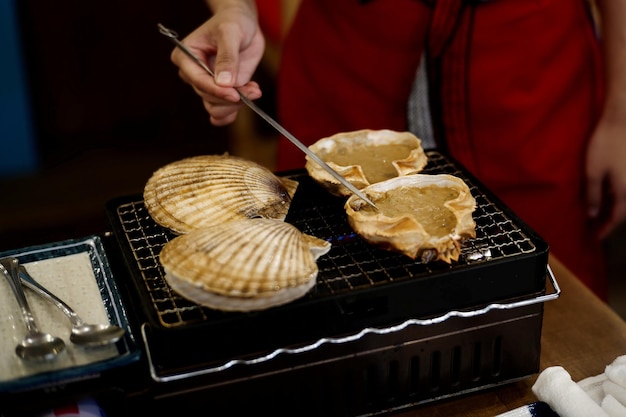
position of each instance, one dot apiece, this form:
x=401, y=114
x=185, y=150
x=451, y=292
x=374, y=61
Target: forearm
x=218, y=5
x=613, y=16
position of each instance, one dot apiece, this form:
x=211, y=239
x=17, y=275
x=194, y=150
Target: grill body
x=375, y=374
x=374, y=334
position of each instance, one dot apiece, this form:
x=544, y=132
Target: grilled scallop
x=365, y=157
x=211, y=189
x=243, y=265
x=418, y=215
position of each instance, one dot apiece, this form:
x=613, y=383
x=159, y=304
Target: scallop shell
x=243, y=265
x=365, y=157
x=414, y=218
x=210, y=189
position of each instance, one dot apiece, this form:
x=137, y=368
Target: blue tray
x=40, y=375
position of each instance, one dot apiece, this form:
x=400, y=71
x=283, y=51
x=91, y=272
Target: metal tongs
x=173, y=36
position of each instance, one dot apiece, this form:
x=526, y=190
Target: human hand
x=606, y=175
x=232, y=44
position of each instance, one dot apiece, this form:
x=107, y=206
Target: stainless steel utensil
x=83, y=334
x=35, y=345
x=173, y=36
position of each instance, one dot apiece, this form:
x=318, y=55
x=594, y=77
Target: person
x=525, y=95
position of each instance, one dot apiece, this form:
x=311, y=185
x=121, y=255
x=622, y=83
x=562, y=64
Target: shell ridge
x=361, y=142
x=206, y=190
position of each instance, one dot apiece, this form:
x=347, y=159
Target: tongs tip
x=370, y=202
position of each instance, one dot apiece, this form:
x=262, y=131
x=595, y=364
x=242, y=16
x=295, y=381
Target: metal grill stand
x=397, y=331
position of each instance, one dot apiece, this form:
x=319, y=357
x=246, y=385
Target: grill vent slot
x=414, y=374
x=477, y=361
x=497, y=356
x=393, y=379
x=372, y=383
x=455, y=372
x=435, y=370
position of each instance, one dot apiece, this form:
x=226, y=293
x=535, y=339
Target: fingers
x=606, y=200
x=606, y=174
x=222, y=115
x=227, y=57
x=196, y=76
x=594, y=195
x=231, y=44
x=224, y=111
x=614, y=201
x=617, y=216
x=222, y=103
x=204, y=84
x=598, y=208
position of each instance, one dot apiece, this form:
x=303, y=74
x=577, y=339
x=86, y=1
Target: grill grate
x=351, y=265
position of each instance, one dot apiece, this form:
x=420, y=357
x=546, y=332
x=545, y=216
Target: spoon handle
x=9, y=267
x=45, y=293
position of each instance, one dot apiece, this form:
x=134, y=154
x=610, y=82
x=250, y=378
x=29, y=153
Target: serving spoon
x=83, y=334
x=36, y=345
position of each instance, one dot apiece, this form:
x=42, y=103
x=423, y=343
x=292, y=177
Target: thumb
x=227, y=59
x=594, y=195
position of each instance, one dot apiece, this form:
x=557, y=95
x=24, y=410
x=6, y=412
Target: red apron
x=517, y=89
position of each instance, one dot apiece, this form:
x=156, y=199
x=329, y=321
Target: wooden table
x=580, y=333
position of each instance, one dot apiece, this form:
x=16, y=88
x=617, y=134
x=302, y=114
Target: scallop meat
x=366, y=157
x=419, y=215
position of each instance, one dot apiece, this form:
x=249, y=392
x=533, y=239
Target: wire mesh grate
x=351, y=264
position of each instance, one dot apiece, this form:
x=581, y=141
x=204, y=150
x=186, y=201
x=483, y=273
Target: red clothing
x=517, y=90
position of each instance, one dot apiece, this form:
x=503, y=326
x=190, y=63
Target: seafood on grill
x=210, y=189
x=243, y=265
x=366, y=157
x=419, y=215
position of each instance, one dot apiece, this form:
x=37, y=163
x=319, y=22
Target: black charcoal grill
x=378, y=332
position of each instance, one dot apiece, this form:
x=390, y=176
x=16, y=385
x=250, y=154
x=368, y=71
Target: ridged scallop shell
x=210, y=189
x=243, y=265
x=364, y=157
x=414, y=218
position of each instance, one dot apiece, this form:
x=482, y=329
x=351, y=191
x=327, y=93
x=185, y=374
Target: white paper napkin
x=602, y=395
